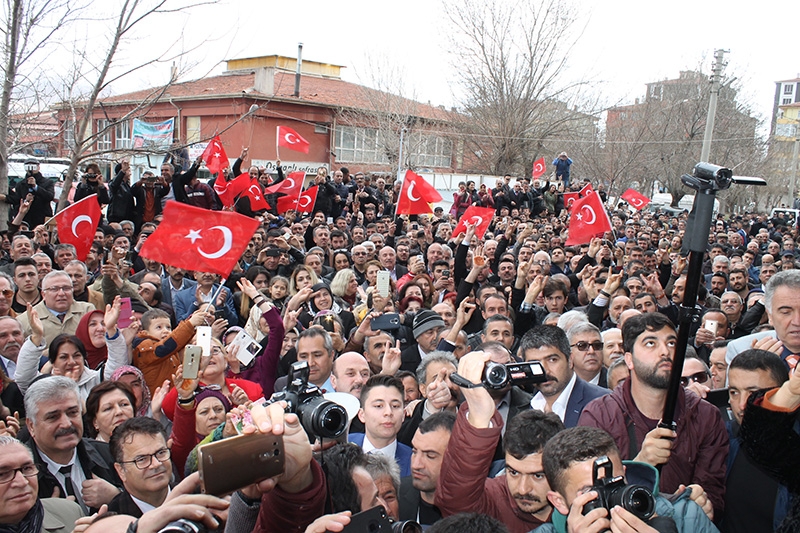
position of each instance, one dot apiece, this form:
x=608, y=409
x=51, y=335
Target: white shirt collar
x=11, y=367
x=143, y=505
x=560, y=405
x=388, y=451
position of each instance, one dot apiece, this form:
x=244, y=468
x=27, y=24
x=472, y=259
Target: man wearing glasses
x=58, y=311
x=20, y=506
x=143, y=462
x=587, y=354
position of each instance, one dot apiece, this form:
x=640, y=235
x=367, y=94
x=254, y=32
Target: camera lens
x=639, y=501
x=183, y=526
x=406, y=526
x=323, y=418
x=495, y=375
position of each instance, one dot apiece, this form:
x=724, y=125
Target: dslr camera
x=497, y=376
x=613, y=491
x=318, y=416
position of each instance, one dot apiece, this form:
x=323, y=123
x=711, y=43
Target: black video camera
x=612, y=491
x=497, y=376
x=318, y=416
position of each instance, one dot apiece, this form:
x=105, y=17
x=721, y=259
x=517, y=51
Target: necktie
x=60, y=317
x=66, y=471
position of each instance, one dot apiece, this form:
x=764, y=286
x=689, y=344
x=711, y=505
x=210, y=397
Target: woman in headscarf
x=322, y=300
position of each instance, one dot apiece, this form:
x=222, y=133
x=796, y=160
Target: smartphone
x=219, y=314
x=330, y=220
x=445, y=273
x=327, y=323
x=204, y=339
x=415, y=226
x=383, y=283
x=373, y=520
x=125, y=313
x=191, y=361
x=231, y=464
x=248, y=347
x=718, y=397
x=712, y=326
x=386, y=321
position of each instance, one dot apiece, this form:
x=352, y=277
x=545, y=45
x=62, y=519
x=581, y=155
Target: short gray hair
x=55, y=274
x=75, y=262
x=580, y=328
x=379, y=465
x=381, y=332
x=7, y=440
x=436, y=356
x=786, y=278
x=571, y=318
x=10, y=280
x=45, y=389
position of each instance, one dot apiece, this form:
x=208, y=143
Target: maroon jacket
x=463, y=486
x=699, y=453
x=284, y=512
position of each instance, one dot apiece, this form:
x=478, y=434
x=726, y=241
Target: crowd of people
x=100, y=425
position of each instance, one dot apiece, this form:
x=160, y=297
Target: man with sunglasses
x=695, y=453
x=143, y=461
x=587, y=353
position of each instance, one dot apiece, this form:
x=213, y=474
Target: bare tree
x=511, y=59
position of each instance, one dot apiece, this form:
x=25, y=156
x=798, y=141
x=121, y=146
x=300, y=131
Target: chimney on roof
x=173, y=73
x=264, y=81
x=299, y=69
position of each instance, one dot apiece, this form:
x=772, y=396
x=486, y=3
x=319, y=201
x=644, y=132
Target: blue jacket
x=582, y=394
x=688, y=516
x=186, y=303
x=562, y=166
x=402, y=455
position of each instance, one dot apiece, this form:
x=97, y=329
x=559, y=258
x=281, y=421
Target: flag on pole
x=215, y=157
x=539, y=168
x=480, y=216
x=570, y=198
x=586, y=189
x=416, y=196
x=288, y=138
x=636, y=199
x=291, y=185
x=70, y=223
x=303, y=203
x=256, y=196
x=199, y=239
x=588, y=219
x=229, y=190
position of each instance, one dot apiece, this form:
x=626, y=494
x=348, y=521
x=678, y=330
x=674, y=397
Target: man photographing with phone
x=37, y=190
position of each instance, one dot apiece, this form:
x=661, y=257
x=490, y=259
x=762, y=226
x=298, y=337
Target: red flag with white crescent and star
x=71, y=229
x=199, y=239
x=416, y=196
x=570, y=198
x=539, y=168
x=229, y=190
x=256, y=195
x=586, y=190
x=215, y=157
x=288, y=138
x=291, y=185
x=303, y=203
x=588, y=219
x=480, y=216
x=636, y=199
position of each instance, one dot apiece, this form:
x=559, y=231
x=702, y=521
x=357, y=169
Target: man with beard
x=418, y=491
x=634, y=409
x=518, y=498
x=564, y=393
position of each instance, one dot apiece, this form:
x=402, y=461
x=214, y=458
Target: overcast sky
x=625, y=43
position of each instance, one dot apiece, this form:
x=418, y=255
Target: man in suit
x=174, y=283
x=418, y=491
x=19, y=488
x=564, y=393
x=188, y=302
x=586, y=355
x=388, y=259
x=382, y=413
x=142, y=460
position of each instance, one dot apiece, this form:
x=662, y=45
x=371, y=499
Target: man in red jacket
x=518, y=498
x=694, y=454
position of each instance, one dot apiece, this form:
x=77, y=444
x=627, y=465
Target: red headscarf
x=94, y=356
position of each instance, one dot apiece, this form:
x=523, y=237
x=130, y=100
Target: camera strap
x=633, y=446
x=461, y=381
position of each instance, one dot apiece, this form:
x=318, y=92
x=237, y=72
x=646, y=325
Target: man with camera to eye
x=590, y=492
x=92, y=183
x=37, y=190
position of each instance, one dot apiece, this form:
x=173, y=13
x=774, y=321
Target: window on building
x=786, y=101
x=430, y=151
x=69, y=134
x=788, y=88
x=193, y=134
x=122, y=133
x=360, y=145
x=103, y=135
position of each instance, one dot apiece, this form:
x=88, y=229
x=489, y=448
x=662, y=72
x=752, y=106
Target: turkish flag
x=588, y=219
x=199, y=239
x=70, y=222
x=481, y=216
x=586, y=189
x=416, y=195
x=229, y=190
x=215, y=157
x=539, y=168
x=288, y=138
x=303, y=203
x=257, y=200
x=570, y=198
x=291, y=185
x=635, y=199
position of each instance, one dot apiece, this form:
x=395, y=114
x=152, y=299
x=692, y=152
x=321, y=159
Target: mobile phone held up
x=231, y=464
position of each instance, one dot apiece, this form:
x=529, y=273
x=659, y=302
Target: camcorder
x=319, y=417
x=375, y=521
x=497, y=376
x=613, y=491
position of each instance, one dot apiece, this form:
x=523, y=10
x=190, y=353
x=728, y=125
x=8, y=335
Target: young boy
x=156, y=350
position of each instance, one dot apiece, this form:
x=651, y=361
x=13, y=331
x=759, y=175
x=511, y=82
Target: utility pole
x=793, y=174
x=716, y=83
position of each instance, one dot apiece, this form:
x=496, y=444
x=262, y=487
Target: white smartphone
x=191, y=361
x=248, y=347
x=712, y=325
x=383, y=283
x=204, y=339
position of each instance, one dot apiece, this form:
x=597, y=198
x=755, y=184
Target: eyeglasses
x=584, y=346
x=143, y=462
x=59, y=289
x=7, y=293
x=29, y=470
x=700, y=377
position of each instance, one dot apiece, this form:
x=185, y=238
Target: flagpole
x=216, y=294
x=277, y=144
